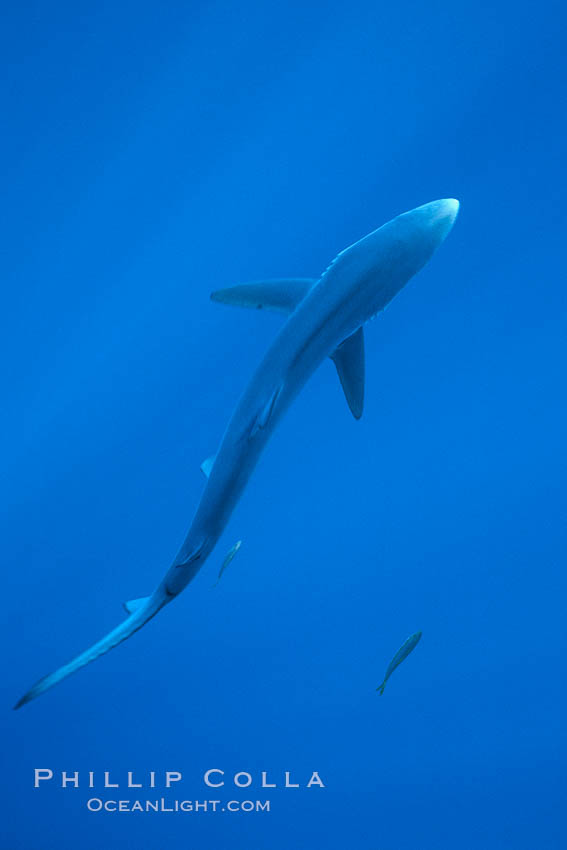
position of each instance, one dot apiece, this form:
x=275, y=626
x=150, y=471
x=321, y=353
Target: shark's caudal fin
x=283, y=296
x=381, y=687
x=143, y=612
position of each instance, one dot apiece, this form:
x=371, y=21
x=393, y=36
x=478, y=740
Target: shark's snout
x=447, y=210
x=451, y=207
x=439, y=217
x=443, y=209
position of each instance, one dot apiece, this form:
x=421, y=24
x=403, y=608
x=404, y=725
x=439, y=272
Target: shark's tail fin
x=381, y=687
x=140, y=615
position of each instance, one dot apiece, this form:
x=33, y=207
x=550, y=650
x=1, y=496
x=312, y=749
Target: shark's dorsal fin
x=349, y=361
x=282, y=296
x=134, y=604
x=207, y=465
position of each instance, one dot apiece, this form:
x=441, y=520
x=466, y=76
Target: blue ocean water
x=151, y=154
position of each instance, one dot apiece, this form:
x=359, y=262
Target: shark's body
x=325, y=320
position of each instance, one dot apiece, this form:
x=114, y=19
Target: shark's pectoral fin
x=349, y=361
x=207, y=465
x=282, y=296
x=134, y=604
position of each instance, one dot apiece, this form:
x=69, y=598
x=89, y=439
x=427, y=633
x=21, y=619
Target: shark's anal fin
x=349, y=362
x=281, y=296
x=207, y=465
x=133, y=605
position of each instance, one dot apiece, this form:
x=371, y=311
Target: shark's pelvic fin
x=265, y=413
x=282, y=296
x=207, y=465
x=349, y=361
x=134, y=604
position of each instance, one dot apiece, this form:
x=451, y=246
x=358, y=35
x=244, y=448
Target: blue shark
x=325, y=318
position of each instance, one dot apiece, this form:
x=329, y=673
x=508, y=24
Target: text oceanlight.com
x=95, y=804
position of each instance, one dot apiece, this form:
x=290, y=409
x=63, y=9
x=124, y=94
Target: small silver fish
x=408, y=645
x=230, y=555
